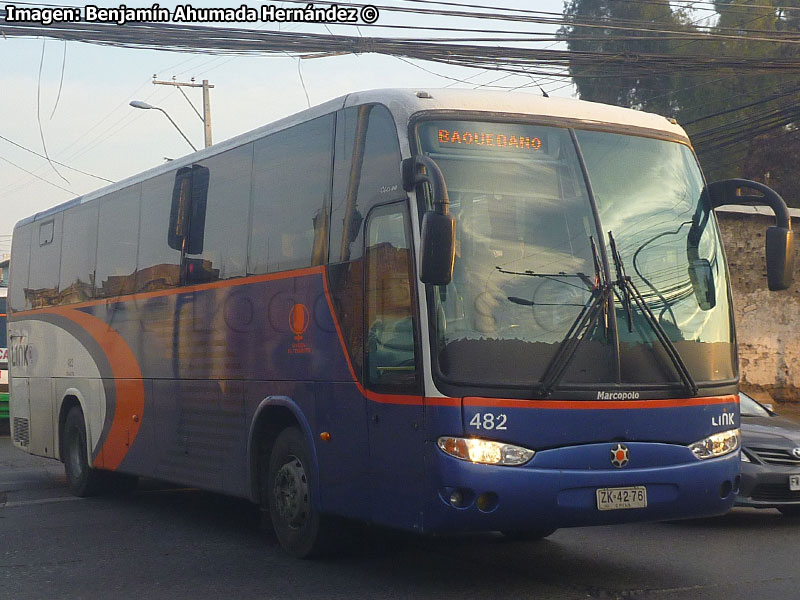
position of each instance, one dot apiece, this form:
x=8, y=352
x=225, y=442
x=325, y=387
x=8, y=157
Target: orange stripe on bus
x=174, y=291
x=599, y=404
x=128, y=384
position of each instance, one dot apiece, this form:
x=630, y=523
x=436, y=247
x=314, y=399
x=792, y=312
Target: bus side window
x=366, y=173
x=117, y=242
x=219, y=249
x=18, y=280
x=158, y=265
x=45, y=263
x=78, y=254
x=291, y=191
x=390, y=349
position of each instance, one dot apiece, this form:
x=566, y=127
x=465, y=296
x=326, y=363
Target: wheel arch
x=273, y=415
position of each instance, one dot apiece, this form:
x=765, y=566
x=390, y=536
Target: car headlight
x=485, y=452
x=719, y=444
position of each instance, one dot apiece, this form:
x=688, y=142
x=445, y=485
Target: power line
x=39, y=113
x=55, y=161
x=13, y=164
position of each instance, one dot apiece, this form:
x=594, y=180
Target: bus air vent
x=22, y=434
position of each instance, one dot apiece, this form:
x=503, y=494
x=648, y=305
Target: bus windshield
x=529, y=257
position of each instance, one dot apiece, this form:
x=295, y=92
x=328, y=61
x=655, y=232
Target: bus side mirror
x=187, y=215
x=179, y=210
x=197, y=220
x=438, y=248
x=780, y=238
x=702, y=277
x=438, y=240
x=780, y=257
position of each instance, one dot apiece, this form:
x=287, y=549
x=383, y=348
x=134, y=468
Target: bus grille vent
x=22, y=434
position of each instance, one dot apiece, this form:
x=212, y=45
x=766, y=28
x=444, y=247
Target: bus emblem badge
x=620, y=456
x=298, y=320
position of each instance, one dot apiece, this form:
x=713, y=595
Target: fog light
x=457, y=498
x=486, y=502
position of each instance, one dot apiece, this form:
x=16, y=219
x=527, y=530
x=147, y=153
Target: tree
x=742, y=123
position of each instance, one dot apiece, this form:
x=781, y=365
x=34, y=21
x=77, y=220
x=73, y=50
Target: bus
x=438, y=311
x=3, y=358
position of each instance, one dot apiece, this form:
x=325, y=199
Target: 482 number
x=489, y=421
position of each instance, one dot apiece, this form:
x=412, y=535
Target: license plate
x=794, y=483
x=618, y=498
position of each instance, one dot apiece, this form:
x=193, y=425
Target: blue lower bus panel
x=559, y=488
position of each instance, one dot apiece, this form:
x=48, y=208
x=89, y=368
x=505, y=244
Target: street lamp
x=146, y=106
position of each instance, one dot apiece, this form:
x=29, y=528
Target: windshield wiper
x=629, y=290
x=554, y=276
x=596, y=305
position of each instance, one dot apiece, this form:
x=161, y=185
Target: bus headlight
x=485, y=451
x=719, y=444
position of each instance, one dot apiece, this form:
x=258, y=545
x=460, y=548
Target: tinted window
x=158, y=265
x=390, y=325
x=670, y=247
x=291, y=188
x=78, y=254
x=224, y=253
x=118, y=234
x=750, y=408
x=367, y=172
x=45, y=261
x=18, y=276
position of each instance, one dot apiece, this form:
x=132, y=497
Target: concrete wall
x=766, y=322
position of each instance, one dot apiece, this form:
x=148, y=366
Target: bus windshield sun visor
x=630, y=291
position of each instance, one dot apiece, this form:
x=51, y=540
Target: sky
x=87, y=123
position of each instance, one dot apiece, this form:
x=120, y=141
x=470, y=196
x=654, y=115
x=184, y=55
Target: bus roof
x=404, y=103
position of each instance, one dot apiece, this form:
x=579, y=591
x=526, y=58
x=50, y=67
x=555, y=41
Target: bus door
x=392, y=368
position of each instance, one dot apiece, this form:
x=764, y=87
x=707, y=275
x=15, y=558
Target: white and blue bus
x=433, y=310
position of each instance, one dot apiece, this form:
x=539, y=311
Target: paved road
x=170, y=543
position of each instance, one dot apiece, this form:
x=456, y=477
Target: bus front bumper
x=476, y=497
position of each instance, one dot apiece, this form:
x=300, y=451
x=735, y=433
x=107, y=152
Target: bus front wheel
x=82, y=479
x=301, y=530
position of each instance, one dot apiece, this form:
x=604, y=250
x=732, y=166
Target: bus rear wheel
x=301, y=530
x=82, y=479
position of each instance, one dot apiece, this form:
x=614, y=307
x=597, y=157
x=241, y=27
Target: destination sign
x=456, y=137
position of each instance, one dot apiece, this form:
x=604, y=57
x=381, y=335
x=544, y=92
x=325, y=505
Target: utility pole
x=206, y=116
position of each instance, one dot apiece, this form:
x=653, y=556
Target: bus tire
x=300, y=528
x=82, y=479
x=529, y=535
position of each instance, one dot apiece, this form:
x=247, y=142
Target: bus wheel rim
x=292, y=493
